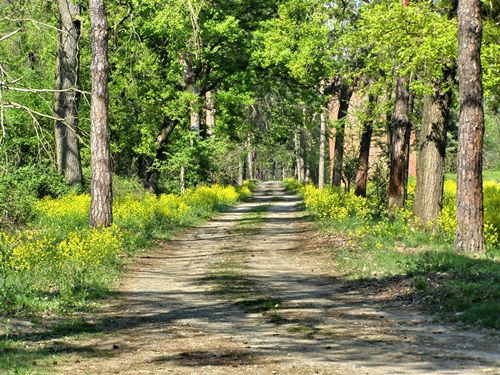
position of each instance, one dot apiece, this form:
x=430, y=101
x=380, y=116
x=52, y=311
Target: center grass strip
x=228, y=277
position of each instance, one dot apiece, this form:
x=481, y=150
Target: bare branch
x=6, y=86
x=32, y=114
x=30, y=111
x=9, y=35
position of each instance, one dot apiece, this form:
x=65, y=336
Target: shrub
x=20, y=190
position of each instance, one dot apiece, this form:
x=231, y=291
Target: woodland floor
x=223, y=298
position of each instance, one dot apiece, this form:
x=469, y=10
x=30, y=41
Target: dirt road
x=240, y=297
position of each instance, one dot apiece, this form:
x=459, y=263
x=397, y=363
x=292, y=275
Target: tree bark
x=307, y=151
x=209, y=114
x=241, y=167
x=250, y=165
x=364, y=150
x=342, y=103
x=432, y=152
x=101, y=214
x=299, y=158
x=67, y=99
x=469, y=235
x=322, y=141
x=401, y=131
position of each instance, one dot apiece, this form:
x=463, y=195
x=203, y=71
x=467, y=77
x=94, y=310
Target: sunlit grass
x=461, y=286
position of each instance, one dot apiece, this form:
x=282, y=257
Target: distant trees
x=208, y=92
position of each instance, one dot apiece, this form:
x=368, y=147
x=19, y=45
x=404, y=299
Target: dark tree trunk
x=432, y=150
x=322, y=141
x=401, y=130
x=67, y=99
x=101, y=214
x=470, y=220
x=149, y=174
x=338, y=159
x=364, y=150
x=250, y=155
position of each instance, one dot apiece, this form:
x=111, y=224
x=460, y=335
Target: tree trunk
x=307, y=150
x=469, y=235
x=67, y=99
x=151, y=175
x=364, y=150
x=101, y=214
x=241, y=167
x=401, y=130
x=250, y=160
x=341, y=108
x=299, y=159
x=322, y=141
x=209, y=114
x=182, y=180
x=431, y=157
x=190, y=77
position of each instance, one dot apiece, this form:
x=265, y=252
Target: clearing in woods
x=252, y=292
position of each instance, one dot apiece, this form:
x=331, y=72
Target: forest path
x=242, y=296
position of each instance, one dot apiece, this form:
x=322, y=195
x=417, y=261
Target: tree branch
x=9, y=35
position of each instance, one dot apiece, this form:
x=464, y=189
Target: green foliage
x=20, y=190
x=490, y=60
x=296, y=40
x=291, y=184
x=491, y=150
x=27, y=64
x=419, y=41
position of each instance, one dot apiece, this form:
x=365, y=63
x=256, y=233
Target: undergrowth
x=57, y=264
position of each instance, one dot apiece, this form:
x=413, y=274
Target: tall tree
x=67, y=94
x=322, y=143
x=432, y=148
x=101, y=214
x=400, y=142
x=340, y=110
x=469, y=235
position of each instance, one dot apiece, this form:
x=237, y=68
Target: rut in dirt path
x=225, y=298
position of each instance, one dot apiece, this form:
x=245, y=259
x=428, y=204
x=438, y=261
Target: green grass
x=375, y=251
x=491, y=175
x=456, y=286
x=259, y=304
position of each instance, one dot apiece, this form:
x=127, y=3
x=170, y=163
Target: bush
x=20, y=190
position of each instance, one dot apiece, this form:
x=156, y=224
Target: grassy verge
x=374, y=251
x=56, y=267
x=428, y=274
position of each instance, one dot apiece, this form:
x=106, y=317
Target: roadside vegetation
x=459, y=286
x=56, y=263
